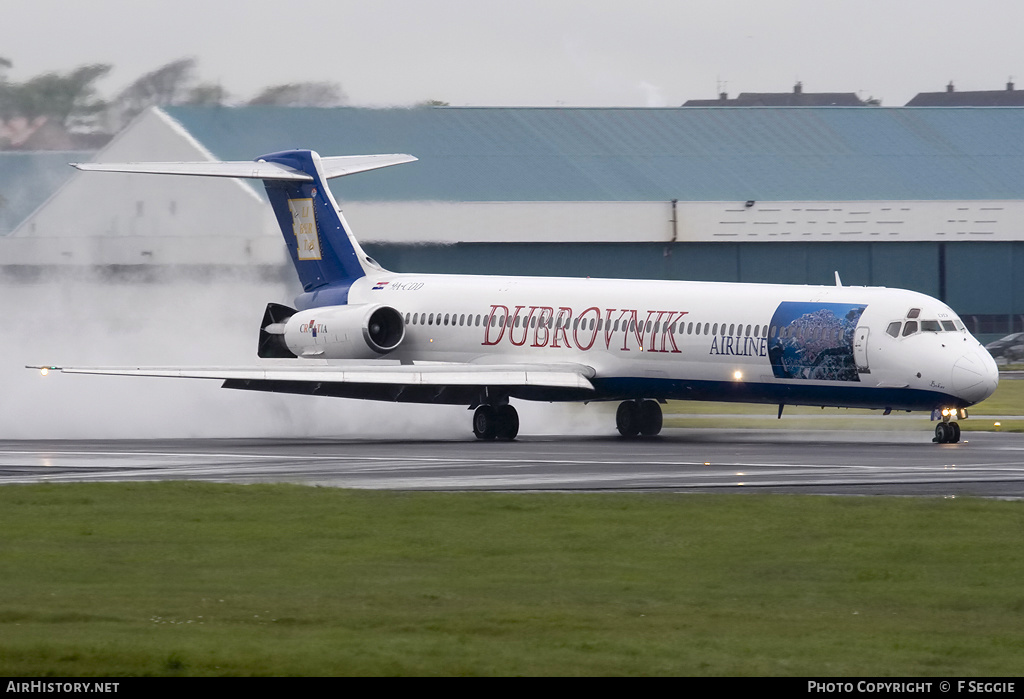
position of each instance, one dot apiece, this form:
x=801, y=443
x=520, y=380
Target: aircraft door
x=860, y=349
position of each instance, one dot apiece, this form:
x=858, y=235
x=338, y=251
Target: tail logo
x=304, y=227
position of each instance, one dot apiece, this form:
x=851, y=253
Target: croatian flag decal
x=379, y=285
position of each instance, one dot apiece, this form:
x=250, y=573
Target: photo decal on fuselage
x=814, y=340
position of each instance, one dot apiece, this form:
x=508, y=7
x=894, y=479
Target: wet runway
x=690, y=460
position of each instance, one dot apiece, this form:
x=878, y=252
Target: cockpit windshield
x=912, y=327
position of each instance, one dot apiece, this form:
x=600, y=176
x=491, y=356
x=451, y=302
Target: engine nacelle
x=344, y=332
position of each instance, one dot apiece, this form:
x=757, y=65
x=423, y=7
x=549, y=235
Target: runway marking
x=533, y=465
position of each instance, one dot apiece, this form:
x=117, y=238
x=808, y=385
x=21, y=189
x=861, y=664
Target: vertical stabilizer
x=319, y=239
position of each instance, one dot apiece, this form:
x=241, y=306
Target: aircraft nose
x=975, y=375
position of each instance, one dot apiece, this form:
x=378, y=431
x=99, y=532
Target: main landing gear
x=638, y=418
x=496, y=422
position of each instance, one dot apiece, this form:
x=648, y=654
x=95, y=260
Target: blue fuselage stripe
x=795, y=393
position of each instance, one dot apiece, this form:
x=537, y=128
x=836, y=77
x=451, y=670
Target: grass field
x=204, y=579
x=1007, y=400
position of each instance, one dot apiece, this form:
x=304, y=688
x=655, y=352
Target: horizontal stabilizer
x=336, y=166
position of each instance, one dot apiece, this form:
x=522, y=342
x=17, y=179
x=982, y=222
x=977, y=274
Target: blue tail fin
x=318, y=238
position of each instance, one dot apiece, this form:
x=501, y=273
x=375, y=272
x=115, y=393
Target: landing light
x=737, y=375
x=44, y=371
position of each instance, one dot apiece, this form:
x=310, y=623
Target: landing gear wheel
x=947, y=433
x=650, y=418
x=485, y=423
x=508, y=422
x=627, y=419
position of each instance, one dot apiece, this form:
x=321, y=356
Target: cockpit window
x=930, y=326
x=910, y=328
x=894, y=328
x=913, y=313
x=948, y=326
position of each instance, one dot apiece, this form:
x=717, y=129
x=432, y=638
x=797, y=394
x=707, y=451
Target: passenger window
x=714, y=330
x=732, y=329
x=913, y=313
x=894, y=328
x=930, y=326
x=689, y=328
x=910, y=328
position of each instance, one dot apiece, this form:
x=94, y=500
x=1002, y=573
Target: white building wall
x=114, y=218
x=635, y=222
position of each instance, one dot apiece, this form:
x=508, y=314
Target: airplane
x=360, y=331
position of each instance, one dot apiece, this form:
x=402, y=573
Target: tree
x=309, y=94
x=206, y=95
x=67, y=99
x=168, y=84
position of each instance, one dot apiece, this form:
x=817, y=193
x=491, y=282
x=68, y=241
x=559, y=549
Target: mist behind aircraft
x=176, y=321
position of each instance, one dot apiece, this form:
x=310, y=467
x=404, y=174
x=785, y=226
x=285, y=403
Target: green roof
x=691, y=154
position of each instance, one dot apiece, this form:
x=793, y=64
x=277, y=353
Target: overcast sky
x=532, y=52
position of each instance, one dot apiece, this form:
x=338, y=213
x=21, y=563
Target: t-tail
x=327, y=257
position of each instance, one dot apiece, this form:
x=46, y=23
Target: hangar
x=930, y=199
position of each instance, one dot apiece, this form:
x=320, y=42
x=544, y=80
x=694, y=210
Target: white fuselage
x=818, y=345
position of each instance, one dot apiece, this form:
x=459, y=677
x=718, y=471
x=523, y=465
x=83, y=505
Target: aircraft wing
x=422, y=383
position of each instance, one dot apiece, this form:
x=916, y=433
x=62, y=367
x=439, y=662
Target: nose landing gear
x=947, y=433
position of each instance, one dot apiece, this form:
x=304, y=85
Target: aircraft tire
x=485, y=423
x=650, y=418
x=942, y=433
x=508, y=423
x=627, y=419
x=954, y=432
